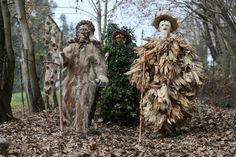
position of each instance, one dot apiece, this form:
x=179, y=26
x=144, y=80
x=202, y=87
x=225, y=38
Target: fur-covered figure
x=173, y=74
x=86, y=69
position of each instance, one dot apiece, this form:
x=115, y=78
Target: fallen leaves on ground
x=212, y=132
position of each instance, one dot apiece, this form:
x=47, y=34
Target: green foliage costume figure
x=119, y=101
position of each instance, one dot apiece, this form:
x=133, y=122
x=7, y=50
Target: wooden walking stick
x=141, y=99
x=60, y=103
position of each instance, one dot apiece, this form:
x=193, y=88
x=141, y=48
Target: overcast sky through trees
x=67, y=7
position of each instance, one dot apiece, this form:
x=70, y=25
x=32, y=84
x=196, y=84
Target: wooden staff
x=141, y=99
x=60, y=104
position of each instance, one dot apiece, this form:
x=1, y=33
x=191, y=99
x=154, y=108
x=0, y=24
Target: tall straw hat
x=165, y=15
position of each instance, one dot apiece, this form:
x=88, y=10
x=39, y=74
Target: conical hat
x=165, y=15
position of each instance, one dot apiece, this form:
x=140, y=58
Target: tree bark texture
x=2, y=43
x=32, y=91
x=105, y=20
x=7, y=64
x=99, y=20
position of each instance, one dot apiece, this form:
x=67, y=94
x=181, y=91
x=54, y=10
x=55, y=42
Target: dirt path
x=211, y=134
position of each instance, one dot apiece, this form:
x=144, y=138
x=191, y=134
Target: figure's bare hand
x=100, y=84
x=102, y=81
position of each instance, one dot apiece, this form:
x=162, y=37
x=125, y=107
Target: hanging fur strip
x=173, y=75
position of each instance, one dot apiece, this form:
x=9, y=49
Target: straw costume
x=173, y=75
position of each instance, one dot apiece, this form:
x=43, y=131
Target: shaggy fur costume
x=84, y=63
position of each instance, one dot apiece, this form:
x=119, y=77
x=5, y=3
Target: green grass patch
x=16, y=100
x=17, y=107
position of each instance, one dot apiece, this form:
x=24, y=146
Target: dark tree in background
x=7, y=63
x=119, y=101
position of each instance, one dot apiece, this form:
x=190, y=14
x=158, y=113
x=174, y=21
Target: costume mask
x=165, y=28
x=83, y=32
x=120, y=38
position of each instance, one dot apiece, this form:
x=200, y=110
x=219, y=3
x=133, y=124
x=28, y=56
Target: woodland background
x=209, y=25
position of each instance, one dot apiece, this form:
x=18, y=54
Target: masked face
x=83, y=32
x=165, y=27
x=120, y=38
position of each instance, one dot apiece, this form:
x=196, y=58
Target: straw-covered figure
x=172, y=76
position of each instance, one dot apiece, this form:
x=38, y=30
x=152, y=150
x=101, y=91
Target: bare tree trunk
x=25, y=77
x=233, y=69
x=105, y=20
x=198, y=41
x=97, y=8
x=99, y=20
x=209, y=42
x=2, y=43
x=225, y=14
x=22, y=92
x=227, y=63
x=6, y=89
x=35, y=97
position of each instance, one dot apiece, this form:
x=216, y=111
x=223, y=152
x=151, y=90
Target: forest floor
x=211, y=132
